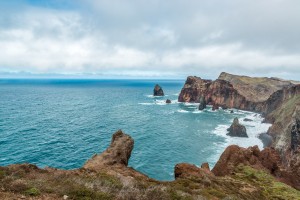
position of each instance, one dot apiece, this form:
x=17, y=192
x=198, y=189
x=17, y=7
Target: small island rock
x=236, y=129
x=158, y=91
x=202, y=104
x=168, y=101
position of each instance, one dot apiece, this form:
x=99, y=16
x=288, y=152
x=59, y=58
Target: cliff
x=107, y=176
x=277, y=99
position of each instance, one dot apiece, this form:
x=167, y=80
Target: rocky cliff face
x=193, y=89
x=278, y=100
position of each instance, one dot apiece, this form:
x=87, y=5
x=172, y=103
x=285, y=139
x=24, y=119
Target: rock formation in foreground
x=158, y=91
x=118, y=153
x=236, y=129
x=239, y=174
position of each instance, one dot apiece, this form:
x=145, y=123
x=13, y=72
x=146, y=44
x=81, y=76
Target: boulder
x=231, y=111
x=118, y=153
x=168, y=101
x=236, y=129
x=202, y=104
x=185, y=170
x=158, y=91
x=247, y=120
x=267, y=159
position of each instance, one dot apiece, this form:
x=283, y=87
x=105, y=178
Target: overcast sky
x=139, y=38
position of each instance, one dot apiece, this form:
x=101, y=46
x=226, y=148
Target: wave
x=154, y=97
x=254, y=129
x=182, y=111
x=159, y=102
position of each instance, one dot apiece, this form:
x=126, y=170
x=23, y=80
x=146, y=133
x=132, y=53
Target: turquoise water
x=62, y=123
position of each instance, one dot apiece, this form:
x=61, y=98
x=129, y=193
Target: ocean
x=62, y=123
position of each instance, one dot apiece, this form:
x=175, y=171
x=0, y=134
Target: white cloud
x=153, y=38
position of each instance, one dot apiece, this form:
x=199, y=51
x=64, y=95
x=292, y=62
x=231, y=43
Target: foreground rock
x=236, y=129
x=268, y=159
x=118, y=153
x=158, y=91
x=106, y=176
x=234, y=155
x=186, y=170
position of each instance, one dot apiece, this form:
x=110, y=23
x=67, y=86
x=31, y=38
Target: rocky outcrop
x=193, y=89
x=186, y=170
x=234, y=155
x=236, y=129
x=158, y=91
x=168, y=101
x=268, y=159
x=118, y=153
x=202, y=103
x=247, y=120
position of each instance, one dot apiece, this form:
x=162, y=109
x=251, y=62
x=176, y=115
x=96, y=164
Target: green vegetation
x=32, y=192
x=83, y=193
x=245, y=183
x=272, y=189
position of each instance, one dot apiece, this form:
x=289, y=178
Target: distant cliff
x=277, y=99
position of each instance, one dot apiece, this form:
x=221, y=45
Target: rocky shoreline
x=278, y=100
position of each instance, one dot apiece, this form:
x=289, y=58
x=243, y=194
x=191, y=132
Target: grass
x=272, y=189
x=83, y=193
x=32, y=192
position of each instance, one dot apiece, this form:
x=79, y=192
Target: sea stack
x=202, y=104
x=158, y=91
x=236, y=129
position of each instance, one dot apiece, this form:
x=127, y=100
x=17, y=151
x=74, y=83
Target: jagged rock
x=193, y=89
x=118, y=153
x=205, y=166
x=158, y=91
x=236, y=129
x=168, y=101
x=247, y=120
x=202, y=104
x=185, y=170
x=234, y=155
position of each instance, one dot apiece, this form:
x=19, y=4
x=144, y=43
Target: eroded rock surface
x=118, y=153
x=236, y=129
x=158, y=91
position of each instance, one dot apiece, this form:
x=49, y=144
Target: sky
x=149, y=39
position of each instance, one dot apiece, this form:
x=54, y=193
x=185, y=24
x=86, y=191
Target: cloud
x=142, y=38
